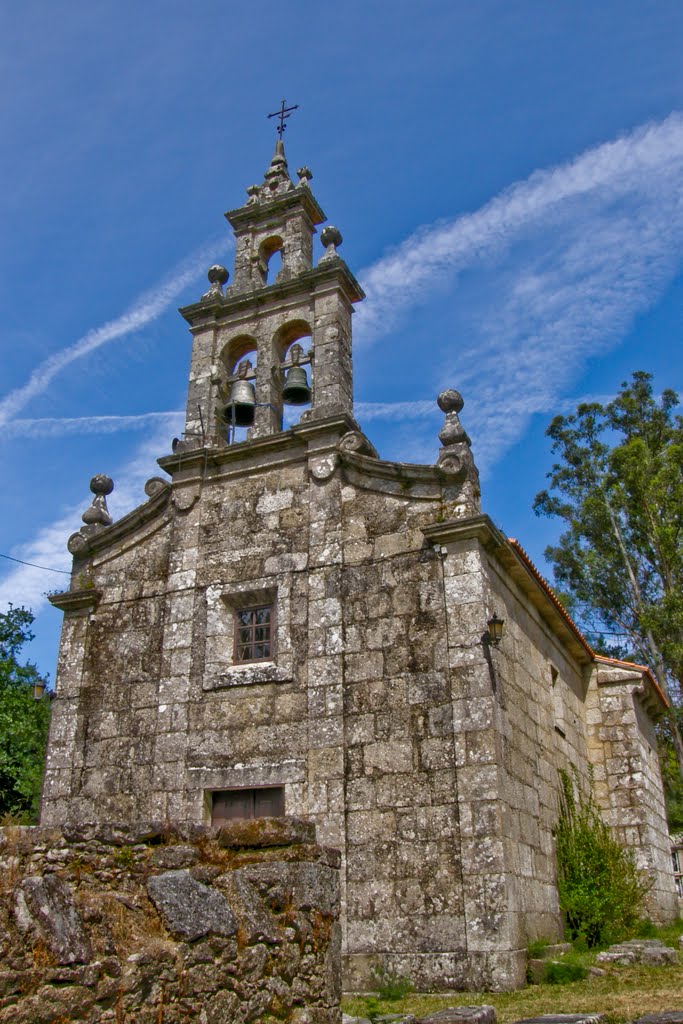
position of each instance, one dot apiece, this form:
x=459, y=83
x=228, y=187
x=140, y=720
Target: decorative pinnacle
x=451, y=402
x=283, y=113
x=331, y=237
x=217, y=276
x=98, y=513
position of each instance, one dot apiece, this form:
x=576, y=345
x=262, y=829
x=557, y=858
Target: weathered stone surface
x=174, y=857
x=260, y=832
x=188, y=908
x=49, y=901
x=564, y=1018
x=159, y=943
x=302, y=885
x=460, y=1015
x=254, y=918
x=650, y=952
x=664, y=1017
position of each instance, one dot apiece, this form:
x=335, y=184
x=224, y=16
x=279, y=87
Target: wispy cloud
x=63, y=426
x=145, y=309
x=25, y=584
x=570, y=257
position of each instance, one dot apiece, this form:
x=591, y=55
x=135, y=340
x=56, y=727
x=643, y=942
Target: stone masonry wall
x=156, y=924
x=623, y=747
x=429, y=758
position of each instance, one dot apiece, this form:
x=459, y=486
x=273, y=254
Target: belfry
x=290, y=625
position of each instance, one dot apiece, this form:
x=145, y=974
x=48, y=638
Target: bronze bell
x=241, y=404
x=296, y=390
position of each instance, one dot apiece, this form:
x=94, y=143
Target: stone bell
x=295, y=390
x=241, y=404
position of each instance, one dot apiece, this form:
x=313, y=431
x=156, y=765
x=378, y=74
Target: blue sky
x=507, y=177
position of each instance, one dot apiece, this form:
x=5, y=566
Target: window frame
x=237, y=625
x=251, y=791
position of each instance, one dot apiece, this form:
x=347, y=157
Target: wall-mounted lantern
x=496, y=630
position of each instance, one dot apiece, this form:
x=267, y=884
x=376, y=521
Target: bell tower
x=272, y=337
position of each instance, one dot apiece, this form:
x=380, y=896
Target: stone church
x=292, y=625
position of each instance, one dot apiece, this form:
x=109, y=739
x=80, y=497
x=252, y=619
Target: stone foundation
x=167, y=924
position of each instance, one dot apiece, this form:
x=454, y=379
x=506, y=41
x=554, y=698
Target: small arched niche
x=270, y=260
x=295, y=333
x=234, y=354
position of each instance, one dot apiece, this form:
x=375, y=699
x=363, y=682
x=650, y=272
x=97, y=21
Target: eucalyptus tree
x=617, y=486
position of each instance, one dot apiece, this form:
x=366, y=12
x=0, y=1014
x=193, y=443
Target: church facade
x=292, y=625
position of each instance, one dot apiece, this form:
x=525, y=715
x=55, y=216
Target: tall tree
x=618, y=487
x=24, y=721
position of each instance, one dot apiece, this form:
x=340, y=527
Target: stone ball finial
x=450, y=401
x=304, y=175
x=217, y=274
x=331, y=236
x=101, y=484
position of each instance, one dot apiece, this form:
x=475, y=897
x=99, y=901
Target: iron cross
x=283, y=113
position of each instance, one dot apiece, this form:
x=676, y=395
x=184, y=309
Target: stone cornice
x=331, y=273
x=479, y=527
x=246, y=456
x=256, y=213
x=520, y=567
x=76, y=600
x=402, y=479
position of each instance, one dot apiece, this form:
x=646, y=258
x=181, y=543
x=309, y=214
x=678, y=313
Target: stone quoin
x=290, y=625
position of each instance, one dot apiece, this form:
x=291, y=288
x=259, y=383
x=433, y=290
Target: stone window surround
x=222, y=669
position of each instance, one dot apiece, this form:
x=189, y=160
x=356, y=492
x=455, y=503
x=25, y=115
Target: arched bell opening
x=270, y=258
x=294, y=354
x=236, y=408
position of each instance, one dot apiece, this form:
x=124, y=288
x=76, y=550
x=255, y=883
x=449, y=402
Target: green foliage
x=124, y=857
x=391, y=987
x=536, y=948
x=645, y=929
x=601, y=891
x=24, y=722
x=669, y=765
x=559, y=972
x=618, y=488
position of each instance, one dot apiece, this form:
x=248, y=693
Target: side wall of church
x=623, y=748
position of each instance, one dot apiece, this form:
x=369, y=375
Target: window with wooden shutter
x=262, y=802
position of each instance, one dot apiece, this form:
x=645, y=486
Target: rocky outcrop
x=154, y=923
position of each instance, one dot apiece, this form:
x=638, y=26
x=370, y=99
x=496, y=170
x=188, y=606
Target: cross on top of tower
x=283, y=113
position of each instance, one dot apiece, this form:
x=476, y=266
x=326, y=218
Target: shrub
x=391, y=987
x=559, y=972
x=536, y=948
x=601, y=891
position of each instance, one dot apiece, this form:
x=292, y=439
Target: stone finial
x=276, y=179
x=304, y=175
x=277, y=176
x=98, y=513
x=218, y=276
x=331, y=237
x=451, y=402
x=455, y=458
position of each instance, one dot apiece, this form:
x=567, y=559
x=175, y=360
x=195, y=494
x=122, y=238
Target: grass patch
x=537, y=948
x=624, y=993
